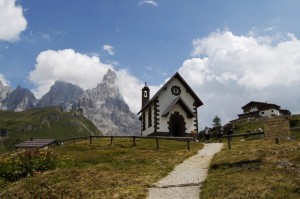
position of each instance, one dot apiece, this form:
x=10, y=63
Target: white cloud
x=12, y=21
x=130, y=87
x=4, y=81
x=69, y=66
x=227, y=71
x=109, y=49
x=84, y=71
x=152, y=3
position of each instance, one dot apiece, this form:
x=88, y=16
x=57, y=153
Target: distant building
x=172, y=111
x=262, y=109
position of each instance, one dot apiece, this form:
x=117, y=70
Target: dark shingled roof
x=36, y=143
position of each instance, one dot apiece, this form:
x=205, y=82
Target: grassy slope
x=42, y=123
x=101, y=170
x=256, y=169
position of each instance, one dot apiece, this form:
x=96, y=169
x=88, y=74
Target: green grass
x=255, y=169
x=101, y=170
x=42, y=123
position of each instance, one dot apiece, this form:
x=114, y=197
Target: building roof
x=259, y=104
x=188, y=88
x=35, y=143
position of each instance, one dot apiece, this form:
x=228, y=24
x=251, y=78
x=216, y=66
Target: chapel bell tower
x=145, y=95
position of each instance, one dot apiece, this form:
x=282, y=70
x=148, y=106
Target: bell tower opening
x=145, y=95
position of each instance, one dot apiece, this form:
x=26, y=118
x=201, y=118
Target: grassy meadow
x=255, y=169
x=101, y=170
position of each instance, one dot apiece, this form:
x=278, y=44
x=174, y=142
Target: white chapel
x=172, y=111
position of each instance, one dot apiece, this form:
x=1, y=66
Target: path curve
x=185, y=180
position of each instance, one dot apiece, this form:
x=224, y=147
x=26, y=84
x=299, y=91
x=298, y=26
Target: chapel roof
x=198, y=102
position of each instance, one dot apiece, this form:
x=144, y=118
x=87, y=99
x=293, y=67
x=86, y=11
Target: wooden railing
x=156, y=138
x=240, y=135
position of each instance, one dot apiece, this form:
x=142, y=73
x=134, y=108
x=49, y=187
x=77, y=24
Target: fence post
x=157, y=145
x=188, y=143
x=134, y=141
x=111, y=140
x=90, y=139
x=74, y=140
x=229, y=144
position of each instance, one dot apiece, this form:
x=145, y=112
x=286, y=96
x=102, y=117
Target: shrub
x=24, y=163
x=294, y=122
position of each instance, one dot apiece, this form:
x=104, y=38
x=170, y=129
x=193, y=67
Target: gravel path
x=185, y=180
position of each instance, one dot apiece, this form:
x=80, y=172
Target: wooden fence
x=156, y=138
x=240, y=135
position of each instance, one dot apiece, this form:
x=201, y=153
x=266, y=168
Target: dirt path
x=185, y=180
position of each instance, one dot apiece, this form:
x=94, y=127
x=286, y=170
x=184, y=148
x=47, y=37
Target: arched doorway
x=177, y=125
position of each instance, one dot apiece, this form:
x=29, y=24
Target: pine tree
x=216, y=121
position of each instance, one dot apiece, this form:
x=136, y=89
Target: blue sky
x=230, y=52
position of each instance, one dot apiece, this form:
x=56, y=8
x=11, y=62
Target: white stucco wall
x=269, y=113
x=148, y=129
x=166, y=97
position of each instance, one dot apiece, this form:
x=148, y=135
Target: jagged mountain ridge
x=62, y=94
x=103, y=105
x=17, y=100
x=105, y=101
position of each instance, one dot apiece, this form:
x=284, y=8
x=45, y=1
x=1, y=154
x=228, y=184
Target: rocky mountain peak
x=106, y=108
x=20, y=99
x=110, y=77
x=63, y=94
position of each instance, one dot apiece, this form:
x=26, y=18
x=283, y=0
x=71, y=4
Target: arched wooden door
x=177, y=125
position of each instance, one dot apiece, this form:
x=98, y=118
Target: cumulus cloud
x=152, y=3
x=85, y=71
x=130, y=87
x=227, y=71
x=12, y=21
x=68, y=65
x=109, y=49
x=251, y=63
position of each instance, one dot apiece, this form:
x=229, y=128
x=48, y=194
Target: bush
x=294, y=122
x=24, y=163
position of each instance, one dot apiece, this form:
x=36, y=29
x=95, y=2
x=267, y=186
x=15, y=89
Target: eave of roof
x=183, y=105
x=176, y=75
x=253, y=102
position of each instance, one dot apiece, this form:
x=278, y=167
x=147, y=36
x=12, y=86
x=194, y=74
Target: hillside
x=252, y=125
x=48, y=122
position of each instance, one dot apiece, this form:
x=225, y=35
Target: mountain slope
x=48, y=122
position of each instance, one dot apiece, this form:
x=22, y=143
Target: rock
x=62, y=94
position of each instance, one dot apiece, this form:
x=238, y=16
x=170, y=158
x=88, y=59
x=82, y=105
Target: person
x=220, y=132
x=207, y=135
